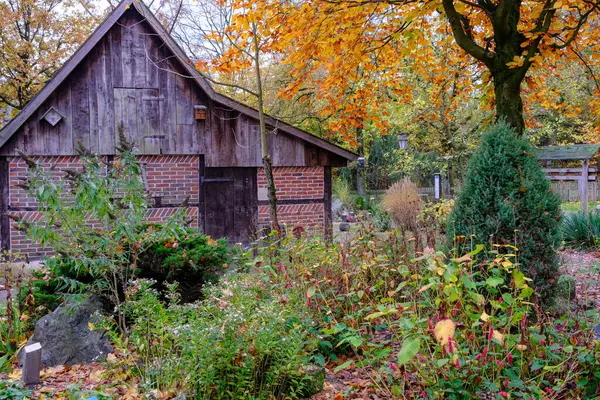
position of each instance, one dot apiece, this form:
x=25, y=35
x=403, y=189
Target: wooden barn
x=193, y=141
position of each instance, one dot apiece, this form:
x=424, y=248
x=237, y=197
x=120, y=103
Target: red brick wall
x=295, y=184
x=18, y=172
x=172, y=178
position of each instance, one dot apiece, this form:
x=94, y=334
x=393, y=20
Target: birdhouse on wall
x=200, y=112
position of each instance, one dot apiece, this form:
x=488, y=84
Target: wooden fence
x=569, y=191
x=571, y=183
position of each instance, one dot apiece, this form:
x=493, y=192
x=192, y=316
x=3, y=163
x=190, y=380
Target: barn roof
x=569, y=152
x=62, y=74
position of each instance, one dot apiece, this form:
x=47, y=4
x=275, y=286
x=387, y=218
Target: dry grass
x=403, y=202
x=13, y=268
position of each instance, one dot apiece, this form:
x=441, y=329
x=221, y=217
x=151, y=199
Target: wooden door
x=230, y=203
x=137, y=111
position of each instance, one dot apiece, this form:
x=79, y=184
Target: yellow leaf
x=498, y=336
x=465, y=258
x=521, y=347
x=15, y=375
x=484, y=317
x=111, y=358
x=424, y=288
x=444, y=330
x=91, y=326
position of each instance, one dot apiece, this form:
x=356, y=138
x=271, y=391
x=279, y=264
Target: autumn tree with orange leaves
x=36, y=37
x=354, y=53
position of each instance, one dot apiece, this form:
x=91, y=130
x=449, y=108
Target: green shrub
x=241, y=342
x=382, y=220
x=192, y=262
x=113, y=196
x=507, y=200
x=581, y=231
x=438, y=327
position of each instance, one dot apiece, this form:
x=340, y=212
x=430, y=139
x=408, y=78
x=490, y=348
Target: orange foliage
x=353, y=54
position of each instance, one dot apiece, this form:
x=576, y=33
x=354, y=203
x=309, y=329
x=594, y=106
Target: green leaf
x=468, y=282
x=355, y=341
x=477, y=250
x=568, y=349
x=343, y=366
x=319, y=359
x=494, y=281
x=442, y=362
x=582, y=382
x=311, y=292
x=374, y=315
x=381, y=353
x=409, y=349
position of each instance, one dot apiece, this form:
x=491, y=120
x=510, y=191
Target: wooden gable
x=131, y=75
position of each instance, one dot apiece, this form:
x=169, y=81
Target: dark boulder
x=66, y=337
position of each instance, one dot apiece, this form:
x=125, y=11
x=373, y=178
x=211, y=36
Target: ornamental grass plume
x=404, y=204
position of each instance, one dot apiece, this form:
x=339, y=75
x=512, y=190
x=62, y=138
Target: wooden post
x=583, y=186
x=4, y=220
x=327, y=192
x=32, y=364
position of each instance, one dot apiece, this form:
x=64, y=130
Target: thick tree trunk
x=509, y=105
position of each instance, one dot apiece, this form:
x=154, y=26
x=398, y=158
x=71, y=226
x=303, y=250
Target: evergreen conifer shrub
x=507, y=200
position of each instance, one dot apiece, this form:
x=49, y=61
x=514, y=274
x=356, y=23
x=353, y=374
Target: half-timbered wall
x=134, y=81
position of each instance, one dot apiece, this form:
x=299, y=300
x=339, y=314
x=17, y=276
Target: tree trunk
x=509, y=105
x=266, y=158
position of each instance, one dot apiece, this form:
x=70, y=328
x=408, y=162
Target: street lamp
x=403, y=141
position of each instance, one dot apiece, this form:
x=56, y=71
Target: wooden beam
x=571, y=178
x=4, y=200
x=201, y=207
x=583, y=183
x=567, y=170
x=327, y=193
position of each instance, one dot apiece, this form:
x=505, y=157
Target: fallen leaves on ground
x=112, y=378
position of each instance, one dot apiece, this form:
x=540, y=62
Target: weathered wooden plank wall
x=132, y=79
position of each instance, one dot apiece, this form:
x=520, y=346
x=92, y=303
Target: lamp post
x=360, y=185
x=403, y=141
